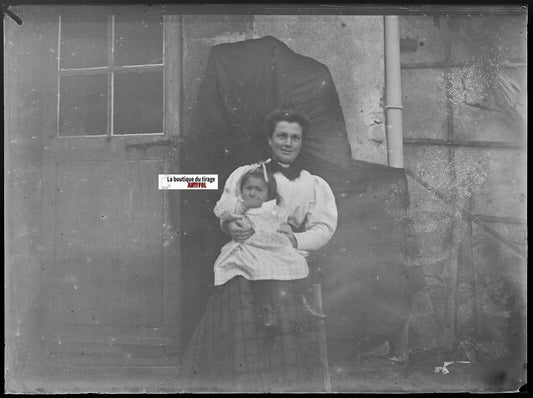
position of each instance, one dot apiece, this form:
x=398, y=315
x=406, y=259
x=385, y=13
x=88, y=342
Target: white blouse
x=308, y=200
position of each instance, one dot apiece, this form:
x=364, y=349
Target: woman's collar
x=284, y=165
x=291, y=171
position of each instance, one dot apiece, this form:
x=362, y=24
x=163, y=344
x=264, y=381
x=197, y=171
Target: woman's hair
x=286, y=115
x=271, y=183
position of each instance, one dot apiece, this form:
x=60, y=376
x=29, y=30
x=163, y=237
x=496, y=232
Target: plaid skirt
x=230, y=350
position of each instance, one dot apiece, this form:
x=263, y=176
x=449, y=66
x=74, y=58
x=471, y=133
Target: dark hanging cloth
x=366, y=272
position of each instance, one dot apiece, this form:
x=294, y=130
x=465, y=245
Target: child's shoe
x=310, y=310
x=305, y=315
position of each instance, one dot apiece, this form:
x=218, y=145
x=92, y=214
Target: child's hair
x=271, y=183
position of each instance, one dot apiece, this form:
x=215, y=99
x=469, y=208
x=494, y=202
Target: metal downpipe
x=393, y=92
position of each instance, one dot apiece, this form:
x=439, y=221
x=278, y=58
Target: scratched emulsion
x=445, y=182
x=483, y=95
x=474, y=271
x=489, y=84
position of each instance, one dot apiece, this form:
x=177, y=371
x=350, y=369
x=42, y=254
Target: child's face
x=254, y=192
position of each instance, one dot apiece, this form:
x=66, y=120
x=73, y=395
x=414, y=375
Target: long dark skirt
x=231, y=350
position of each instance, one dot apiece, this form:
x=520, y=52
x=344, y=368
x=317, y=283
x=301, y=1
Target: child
x=268, y=255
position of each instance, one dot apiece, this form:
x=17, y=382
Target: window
x=110, y=74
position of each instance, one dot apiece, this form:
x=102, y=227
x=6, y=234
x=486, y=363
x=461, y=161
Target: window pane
x=138, y=40
x=138, y=103
x=83, y=41
x=83, y=105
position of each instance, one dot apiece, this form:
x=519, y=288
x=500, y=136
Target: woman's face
x=286, y=141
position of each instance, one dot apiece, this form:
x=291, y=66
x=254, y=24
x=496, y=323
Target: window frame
x=110, y=70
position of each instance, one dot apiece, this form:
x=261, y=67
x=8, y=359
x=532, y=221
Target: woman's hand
x=239, y=230
x=286, y=230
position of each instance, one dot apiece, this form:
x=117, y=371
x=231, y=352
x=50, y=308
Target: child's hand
x=245, y=222
x=240, y=209
x=248, y=204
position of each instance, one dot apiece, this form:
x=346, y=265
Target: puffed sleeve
x=229, y=206
x=321, y=220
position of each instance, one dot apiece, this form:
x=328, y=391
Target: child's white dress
x=267, y=254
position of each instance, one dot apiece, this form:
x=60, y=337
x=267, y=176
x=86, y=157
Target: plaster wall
x=333, y=40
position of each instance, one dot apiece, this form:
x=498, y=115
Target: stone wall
x=464, y=94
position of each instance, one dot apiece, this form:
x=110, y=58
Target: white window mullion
x=73, y=73
x=172, y=56
x=165, y=75
x=111, y=75
x=58, y=74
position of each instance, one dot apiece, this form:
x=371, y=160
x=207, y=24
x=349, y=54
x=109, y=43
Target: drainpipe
x=393, y=92
x=393, y=117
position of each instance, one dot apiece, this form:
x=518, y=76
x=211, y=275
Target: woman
x=229, y=350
